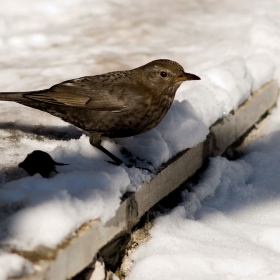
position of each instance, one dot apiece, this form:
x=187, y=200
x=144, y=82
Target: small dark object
x=39, y=162
x=115, y=104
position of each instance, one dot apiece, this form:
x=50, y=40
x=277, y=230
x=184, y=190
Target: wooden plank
x=223, y=134
x=169, y=178
x=229, y=129
x=78, y=252
x=249, y=113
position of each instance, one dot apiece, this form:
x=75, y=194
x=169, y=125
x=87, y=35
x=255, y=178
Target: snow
x=14, y=266
x=232, y=45
x=228, y=227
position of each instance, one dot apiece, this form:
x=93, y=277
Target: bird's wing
x=81, y=94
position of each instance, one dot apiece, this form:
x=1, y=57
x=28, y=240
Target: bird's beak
x=187, y=77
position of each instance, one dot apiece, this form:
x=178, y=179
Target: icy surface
x=232, y=45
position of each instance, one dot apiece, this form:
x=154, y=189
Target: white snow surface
x=234, y=46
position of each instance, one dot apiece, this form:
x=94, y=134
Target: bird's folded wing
x=65, y=95
x=59, y=98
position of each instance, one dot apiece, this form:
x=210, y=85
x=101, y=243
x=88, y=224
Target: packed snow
x=232, y=45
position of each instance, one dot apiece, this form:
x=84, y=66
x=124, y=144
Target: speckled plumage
x=115, y=104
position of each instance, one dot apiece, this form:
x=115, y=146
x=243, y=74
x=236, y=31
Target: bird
x=39, y=162
x=115, y=104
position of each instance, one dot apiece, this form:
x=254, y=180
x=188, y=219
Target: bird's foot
x=134, y=161
x=130, y=166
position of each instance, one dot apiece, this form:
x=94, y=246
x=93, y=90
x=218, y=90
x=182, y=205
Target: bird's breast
x=142, y=118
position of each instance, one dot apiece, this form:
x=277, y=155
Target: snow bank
x=233, y=47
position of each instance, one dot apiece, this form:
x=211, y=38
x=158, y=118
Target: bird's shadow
x=51, y=132
x=17, y=131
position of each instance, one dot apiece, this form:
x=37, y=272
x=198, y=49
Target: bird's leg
x=116, y=160
x=95, y=140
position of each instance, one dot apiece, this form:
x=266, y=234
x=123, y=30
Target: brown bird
x=115, y=104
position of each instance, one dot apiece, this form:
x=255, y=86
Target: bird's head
x=165, y=74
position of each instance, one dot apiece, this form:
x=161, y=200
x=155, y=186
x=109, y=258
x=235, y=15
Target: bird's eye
x=163, y=74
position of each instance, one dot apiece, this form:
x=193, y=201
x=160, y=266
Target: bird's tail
x=11, y=96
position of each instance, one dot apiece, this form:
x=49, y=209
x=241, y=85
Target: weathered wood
x=249, y=113
x=169, y=179
x=222, y=135
x=78, y=252
x=229, y=129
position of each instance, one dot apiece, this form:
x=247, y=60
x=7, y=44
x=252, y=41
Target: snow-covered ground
x=234, y=46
